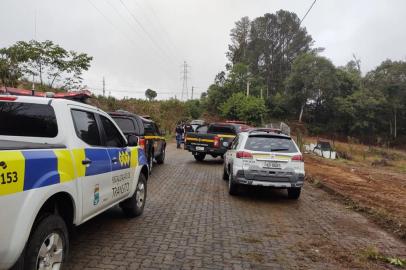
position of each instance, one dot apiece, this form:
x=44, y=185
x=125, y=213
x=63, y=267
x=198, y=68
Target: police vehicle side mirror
x=227, y=145
x=132, y=140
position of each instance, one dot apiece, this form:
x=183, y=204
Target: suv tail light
x=217, y=141
x=141, y=143
x=297, y=158
x=244, y=155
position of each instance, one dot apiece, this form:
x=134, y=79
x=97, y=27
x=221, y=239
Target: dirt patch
x=377, y=192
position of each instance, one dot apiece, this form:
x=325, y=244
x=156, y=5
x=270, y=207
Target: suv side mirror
x=227, y=145
x=132, y=140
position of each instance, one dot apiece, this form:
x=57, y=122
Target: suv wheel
x=134, y=206
x=232, y=186
x=161, y=158
x=294, y=193
x=48, y=244
x=200, y=156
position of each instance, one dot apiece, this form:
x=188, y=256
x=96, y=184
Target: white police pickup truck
x=61, y=163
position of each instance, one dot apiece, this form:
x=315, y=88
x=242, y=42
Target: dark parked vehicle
x=150, y=138
x=211, y=139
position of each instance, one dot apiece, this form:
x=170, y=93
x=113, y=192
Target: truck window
x=157, y=131
x=149, y=128
x=27, y=119
x=126, y=124
x=113, y=136
x=220, y=129
x=202, y=130
x=86, y=127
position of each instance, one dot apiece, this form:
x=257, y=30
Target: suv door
x=93, y=163
x=120, y=156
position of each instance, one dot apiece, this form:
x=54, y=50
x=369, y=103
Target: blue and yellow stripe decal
x=31, y=169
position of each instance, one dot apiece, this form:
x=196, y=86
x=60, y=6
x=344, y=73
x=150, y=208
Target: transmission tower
x=185, y=90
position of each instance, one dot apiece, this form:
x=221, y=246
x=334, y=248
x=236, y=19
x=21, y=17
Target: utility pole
x=261, y=93
x=185, y=91
x=104, y=87
x=192, y=91
x=248, y=88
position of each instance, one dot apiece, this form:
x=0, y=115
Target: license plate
x=199, y=148
x=272, y=165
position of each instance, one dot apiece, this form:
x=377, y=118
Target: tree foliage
x=289, y=80
x=48, y=62
x=150, y=94
x=248, y=108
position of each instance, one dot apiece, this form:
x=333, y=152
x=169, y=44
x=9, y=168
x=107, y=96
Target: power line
x=144, y=30
x=310, y=8
x=161, y=29
x=117, y=29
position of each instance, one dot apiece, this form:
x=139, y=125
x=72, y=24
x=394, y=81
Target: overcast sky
x=144, y=46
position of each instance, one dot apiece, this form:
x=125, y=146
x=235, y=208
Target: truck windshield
x=27, y=119
x=270, y=144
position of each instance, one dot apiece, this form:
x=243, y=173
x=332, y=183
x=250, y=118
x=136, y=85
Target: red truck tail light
x=297, y=158
x=216, y=141
x=141, y=143
x=8, y=98
x=244, y=155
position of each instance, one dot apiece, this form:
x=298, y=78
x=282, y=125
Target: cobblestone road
x=190, y=222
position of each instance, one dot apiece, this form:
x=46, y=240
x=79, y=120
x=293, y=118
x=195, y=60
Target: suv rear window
x=219, y=129
x=270, y=144
x=27, y=119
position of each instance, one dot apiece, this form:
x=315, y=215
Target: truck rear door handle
x=114, y=160
x=86, y=161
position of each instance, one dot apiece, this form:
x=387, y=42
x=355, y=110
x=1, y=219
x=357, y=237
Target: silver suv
x=264, y=157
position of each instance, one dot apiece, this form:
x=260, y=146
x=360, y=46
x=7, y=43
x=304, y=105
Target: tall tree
x=312, y=82
x=390, y=79
x=50, y=63
x=150, y=94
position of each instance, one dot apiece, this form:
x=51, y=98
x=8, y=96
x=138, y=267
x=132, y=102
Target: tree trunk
x=395, y=133
x=301, y=112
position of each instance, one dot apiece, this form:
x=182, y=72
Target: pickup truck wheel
x=200, y=156
x=225, y=173
x=294, y=193
x=134, y=206
x=232, y=186
x=161, y=158
x=48, y=245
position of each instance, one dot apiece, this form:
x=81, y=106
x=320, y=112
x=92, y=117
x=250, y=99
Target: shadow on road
x=264, y=194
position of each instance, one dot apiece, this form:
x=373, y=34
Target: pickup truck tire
x=134, y=206
x=150, y=162
x=232, y=186
x=294, y=193
x=199, y=156
x=161, y=158
x=48, y=244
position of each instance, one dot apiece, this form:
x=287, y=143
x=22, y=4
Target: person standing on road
x=179, y=134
